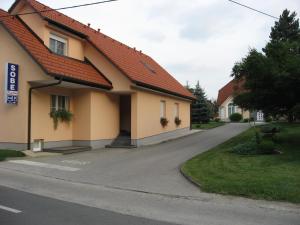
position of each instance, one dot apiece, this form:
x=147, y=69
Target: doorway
x=125, y=115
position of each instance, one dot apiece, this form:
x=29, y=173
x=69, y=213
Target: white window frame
x=163, y=106
x=231, y=109
x=57, y=107
x=176, y=110
x=59, y=39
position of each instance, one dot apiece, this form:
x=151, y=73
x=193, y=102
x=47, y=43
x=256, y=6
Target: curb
x=189, y=178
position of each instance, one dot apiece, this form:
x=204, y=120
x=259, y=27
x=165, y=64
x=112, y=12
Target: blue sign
x=12, y=83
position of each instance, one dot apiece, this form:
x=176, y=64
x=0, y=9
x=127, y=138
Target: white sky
x=193, y=39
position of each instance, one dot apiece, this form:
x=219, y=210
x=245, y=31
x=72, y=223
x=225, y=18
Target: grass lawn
x=10, y=154
x=207, y=126
x=271, y=177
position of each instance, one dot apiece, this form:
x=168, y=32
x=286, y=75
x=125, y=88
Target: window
x=58, y=45
x=231, y=109
x=162, y=109
x=148, y=67
x=176, y=110
x=59, y=103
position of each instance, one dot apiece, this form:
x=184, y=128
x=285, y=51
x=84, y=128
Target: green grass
x=10, y=154
x=207, y=126
x=270, y=177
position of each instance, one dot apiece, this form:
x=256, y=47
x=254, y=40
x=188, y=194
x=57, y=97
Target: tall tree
x=200, y=109
x=272, y=77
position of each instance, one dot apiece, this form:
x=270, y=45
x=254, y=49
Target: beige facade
x=225, y=111
x=98, y=115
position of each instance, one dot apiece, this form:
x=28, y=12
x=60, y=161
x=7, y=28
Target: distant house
x=227, y=107
x=52, y=63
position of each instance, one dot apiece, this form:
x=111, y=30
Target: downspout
x=29, y=108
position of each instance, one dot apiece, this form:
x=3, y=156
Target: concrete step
x=68, y=150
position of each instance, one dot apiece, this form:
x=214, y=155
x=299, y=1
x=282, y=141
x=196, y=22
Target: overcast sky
x=193, y=39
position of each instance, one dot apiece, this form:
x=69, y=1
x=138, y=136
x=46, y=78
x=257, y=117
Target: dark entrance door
x=125, y=114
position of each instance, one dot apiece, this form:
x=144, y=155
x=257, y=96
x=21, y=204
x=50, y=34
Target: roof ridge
x=125, y=58
x=51, y=63
x=82, y=24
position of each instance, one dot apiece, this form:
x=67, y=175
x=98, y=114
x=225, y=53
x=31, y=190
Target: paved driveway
x=152, y=169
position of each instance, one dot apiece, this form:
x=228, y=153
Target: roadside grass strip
x=44, y=165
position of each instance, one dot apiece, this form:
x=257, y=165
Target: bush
x=268, y=119
x=217, y=120
x=270, y=129
x=247, y=148
x=235, y=117
x=266, y=147
x=246, y=120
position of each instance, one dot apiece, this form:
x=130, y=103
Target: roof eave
x=163, y=90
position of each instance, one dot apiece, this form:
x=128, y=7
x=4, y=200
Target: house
x=50, y=62
x=227, y=107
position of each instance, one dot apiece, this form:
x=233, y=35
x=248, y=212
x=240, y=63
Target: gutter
x=29, y=108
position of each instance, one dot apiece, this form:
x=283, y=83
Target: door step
x=122, y=141
x=68, y=150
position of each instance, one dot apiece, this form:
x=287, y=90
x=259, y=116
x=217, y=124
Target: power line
x=248, y=7
x=62, y=8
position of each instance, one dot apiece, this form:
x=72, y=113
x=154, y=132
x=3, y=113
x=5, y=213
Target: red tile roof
x=229, y=90
x=52, y=64
x=138, y=67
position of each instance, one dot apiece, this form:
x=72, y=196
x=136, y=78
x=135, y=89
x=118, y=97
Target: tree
x=272, y=77
x=200, y=110
x=213, y=108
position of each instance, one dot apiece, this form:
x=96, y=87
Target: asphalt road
x=145, y=183
x=21, y=208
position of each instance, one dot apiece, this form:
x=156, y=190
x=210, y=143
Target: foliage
x=270, y=129
x=217, y=119
x=235, y=117
x=264, y=176
x=177, y=121
x=164, y=121
x=272, y=77
x=246, y=120
x=10, y=154
x=296, y=112
x=200, y=108
x=246, y=148
x=266, y=147
x=60, y=115
x=268, y=119
x=213, y=108
x=206, y=126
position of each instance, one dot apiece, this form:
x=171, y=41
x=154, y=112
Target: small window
x=162, y=109
x=176, y=110
x=59, y=103
x=58, y=45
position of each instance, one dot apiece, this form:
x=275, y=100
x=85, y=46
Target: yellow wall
x=75, y=45
x=96, y=113
x=42, y=125
x=120, y=82
x=147, y=106
x=14, y=118
x=105, y=123
x=82, y=115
